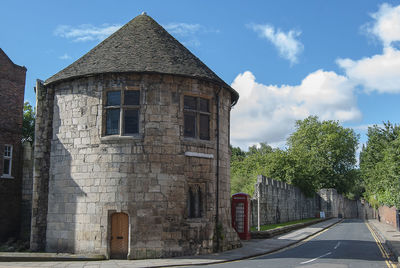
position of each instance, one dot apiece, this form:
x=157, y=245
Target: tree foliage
x=245, y=166
x=323, y=155
x=380, y=165
x=28, y=123
x=318, y=155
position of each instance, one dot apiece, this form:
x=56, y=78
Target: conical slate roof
x=141, y=45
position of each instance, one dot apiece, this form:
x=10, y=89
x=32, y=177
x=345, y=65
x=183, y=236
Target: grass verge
x=278, y=225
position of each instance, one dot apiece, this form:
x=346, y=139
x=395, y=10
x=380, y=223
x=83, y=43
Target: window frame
x=197, y=114
x=122, y=108
x=9, y=175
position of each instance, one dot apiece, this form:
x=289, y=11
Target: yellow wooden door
x=119, y=235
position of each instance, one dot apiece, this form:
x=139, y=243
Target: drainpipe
x=217, y=174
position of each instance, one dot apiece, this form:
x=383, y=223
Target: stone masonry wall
x=336, y=205
x=27, y=186
x=281, y=202
x=41, y=165
x=12, y=86
x=146, y=176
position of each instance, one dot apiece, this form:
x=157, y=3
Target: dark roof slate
x=141, y=45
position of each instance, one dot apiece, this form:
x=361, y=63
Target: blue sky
x=288, y=59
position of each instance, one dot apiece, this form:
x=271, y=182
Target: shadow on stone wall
x=55, y=193
x=64, y=194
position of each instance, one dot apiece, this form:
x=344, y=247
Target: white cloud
x=65, y=57
x=188, y=32
x=183, y=29
x=386, y=25
x=267, y=113
x=287, y=44
x=86, y=32
x=380, y=72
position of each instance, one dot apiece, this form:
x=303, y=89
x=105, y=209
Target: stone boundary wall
x=388, y=215
x=281, y=202
x=336, y=205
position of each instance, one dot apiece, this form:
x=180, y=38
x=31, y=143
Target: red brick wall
x=388, y=215
x=12, y=87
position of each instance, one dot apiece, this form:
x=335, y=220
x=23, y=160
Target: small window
x=196, y=117
x=112, y=121
x=131, y=119
x=114, y=98
x=122, y=112
x=132, y=97
x=195, y=202
x=7, y=160
x=190, y=125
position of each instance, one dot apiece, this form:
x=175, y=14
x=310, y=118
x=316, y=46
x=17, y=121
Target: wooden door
x=119, y=236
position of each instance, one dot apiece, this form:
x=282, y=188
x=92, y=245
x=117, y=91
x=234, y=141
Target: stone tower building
x=12, y=87
x=132, y=151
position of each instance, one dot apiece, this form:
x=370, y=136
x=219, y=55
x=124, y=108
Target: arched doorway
x=119, y=236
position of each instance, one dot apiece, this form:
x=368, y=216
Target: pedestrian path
x=389, y=235
x=251, y=248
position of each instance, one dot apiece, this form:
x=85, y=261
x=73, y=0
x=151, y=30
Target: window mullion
x=197, y=125
x=121, y=114
x=10, y=165
x=197, y=118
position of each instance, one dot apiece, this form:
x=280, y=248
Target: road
x=347, y=244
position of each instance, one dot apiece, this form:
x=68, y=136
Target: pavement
x=251, y=248
x=388, y=235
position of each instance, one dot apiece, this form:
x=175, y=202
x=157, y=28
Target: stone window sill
x=120, y=139
x=199, y=155
x=6, y=177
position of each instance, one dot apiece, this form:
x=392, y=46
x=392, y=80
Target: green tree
x=237, y=154
x=322, y=155
x=28, y=123
x=246, y=166
x=380, y=165
x=318, y=155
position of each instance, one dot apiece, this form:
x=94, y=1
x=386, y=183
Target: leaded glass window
x=196, y=115
x=122, y=112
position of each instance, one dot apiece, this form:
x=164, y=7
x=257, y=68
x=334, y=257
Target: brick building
x=132, y=151
x=12, y=87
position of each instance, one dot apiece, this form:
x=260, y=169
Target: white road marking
x=304, y=262
x=337, y=245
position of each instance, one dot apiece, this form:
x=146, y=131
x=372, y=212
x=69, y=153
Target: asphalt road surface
x=347, y=244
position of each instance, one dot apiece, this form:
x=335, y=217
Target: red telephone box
x=240, y=215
